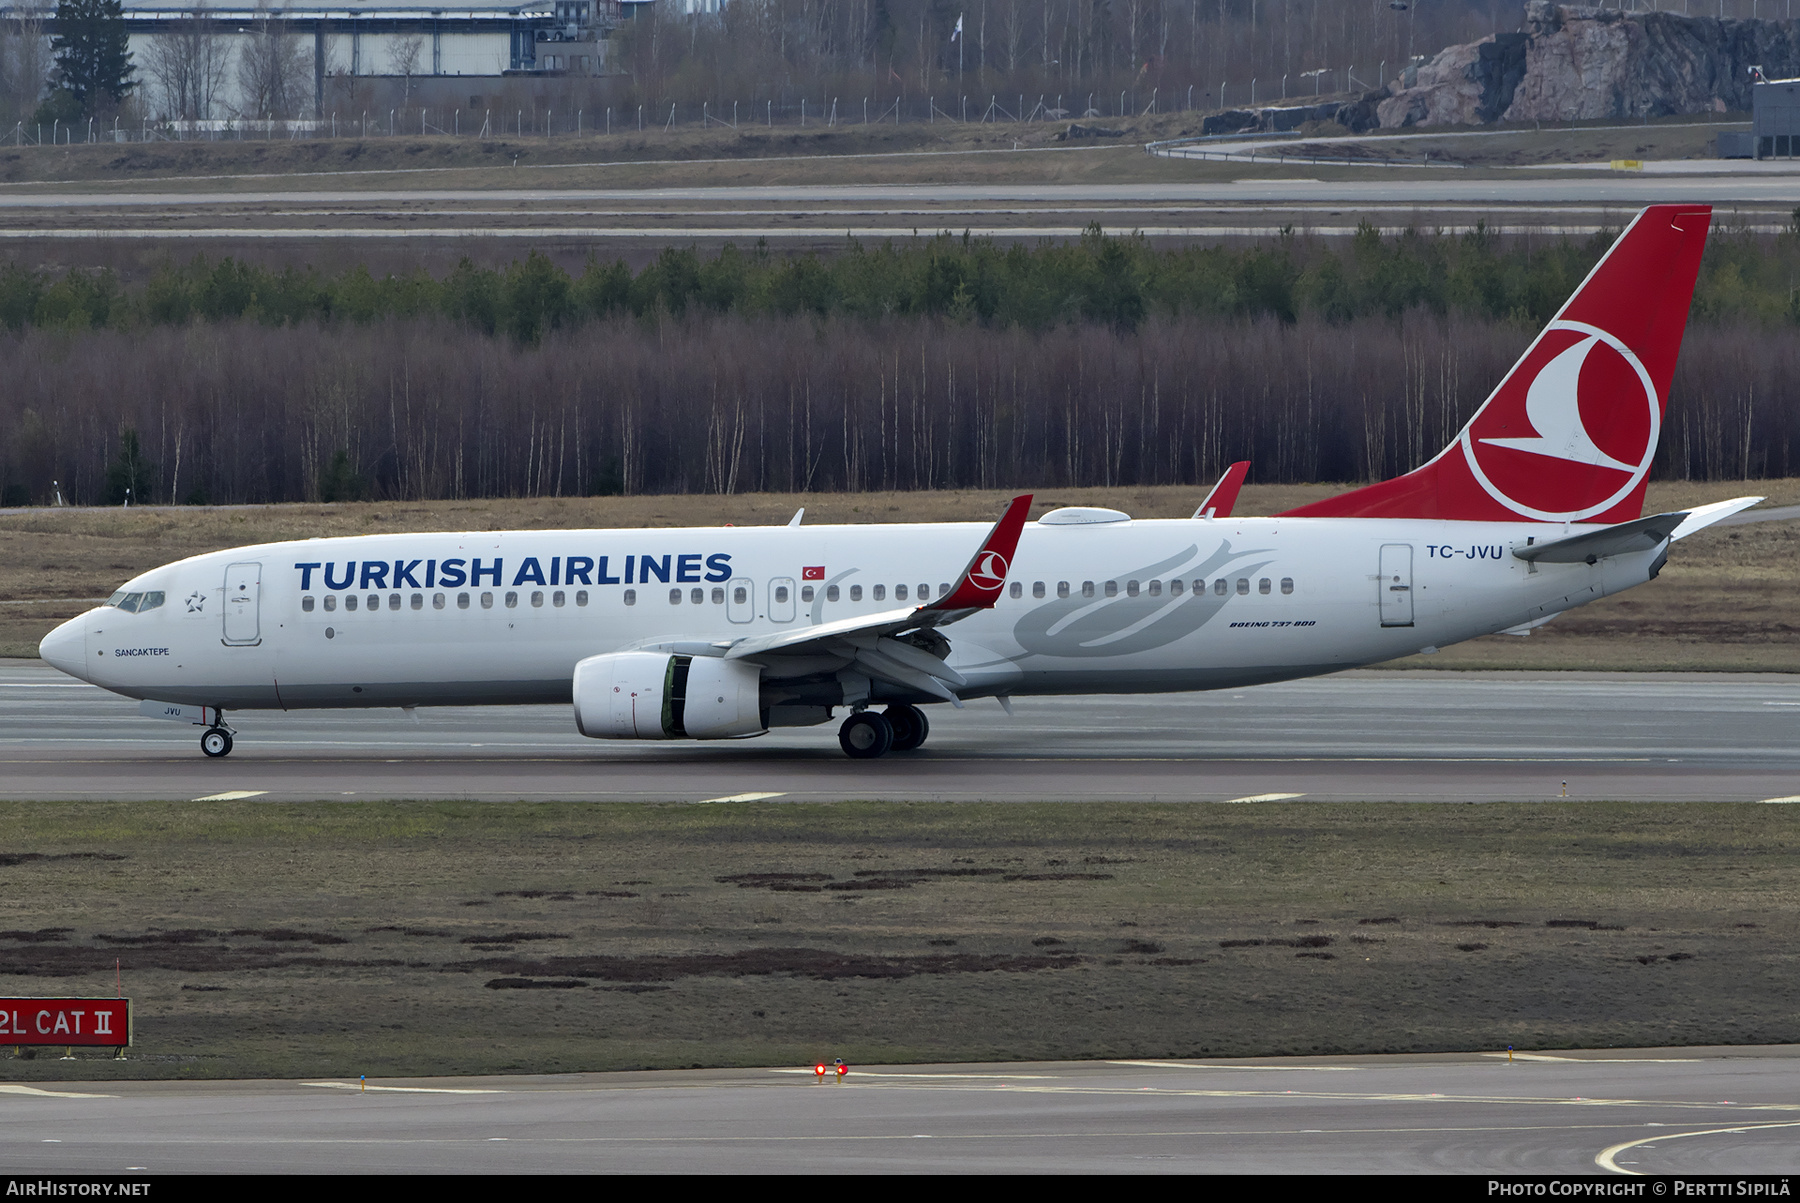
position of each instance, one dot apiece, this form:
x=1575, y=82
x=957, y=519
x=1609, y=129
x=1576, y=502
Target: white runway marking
x=932, y=1077
x=1265, y=1068
x=1261, y=798
x=1598, y=1060
x=232, y=795
x=10, y=1088
x=1781, y=801
x=738, y=798
x=1605, y=1158
x=360, y=1087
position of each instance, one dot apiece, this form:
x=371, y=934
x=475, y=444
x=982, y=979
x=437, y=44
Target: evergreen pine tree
x=93, y=56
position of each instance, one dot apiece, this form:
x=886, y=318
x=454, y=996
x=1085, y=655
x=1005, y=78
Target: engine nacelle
x=653, y=695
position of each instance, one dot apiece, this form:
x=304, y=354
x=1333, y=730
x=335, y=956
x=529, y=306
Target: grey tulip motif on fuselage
x=1121, y=625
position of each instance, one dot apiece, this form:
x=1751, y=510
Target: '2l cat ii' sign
x=98, y=1022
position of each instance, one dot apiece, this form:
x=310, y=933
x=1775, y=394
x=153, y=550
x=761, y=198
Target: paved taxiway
x=1698, y=1111
x=821, y=214
x=1368, y=735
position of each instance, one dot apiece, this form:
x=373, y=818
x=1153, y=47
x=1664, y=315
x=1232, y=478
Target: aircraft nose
x=66, y=647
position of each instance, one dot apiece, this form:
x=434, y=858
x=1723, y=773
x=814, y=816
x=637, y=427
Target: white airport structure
x=414, y=43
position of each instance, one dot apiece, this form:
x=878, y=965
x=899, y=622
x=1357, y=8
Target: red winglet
x=1224, y=495
x=978, y=588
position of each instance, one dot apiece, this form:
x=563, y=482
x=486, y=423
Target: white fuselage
x=1126, y=606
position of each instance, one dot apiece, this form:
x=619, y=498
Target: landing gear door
x=1396, y=585
x=243, y=605
x=740, y=599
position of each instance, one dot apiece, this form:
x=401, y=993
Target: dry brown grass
x=1724, y=603
x=406, y=938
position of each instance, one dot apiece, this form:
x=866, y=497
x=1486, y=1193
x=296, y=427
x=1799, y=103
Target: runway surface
x=822, y=214
x=1366, y=735
x=1667, y=1111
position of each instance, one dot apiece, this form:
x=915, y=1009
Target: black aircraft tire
x=866, y=736
x=910, y=726
x=216, y=743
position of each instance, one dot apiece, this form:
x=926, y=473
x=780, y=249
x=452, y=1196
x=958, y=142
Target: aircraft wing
x=871, y=644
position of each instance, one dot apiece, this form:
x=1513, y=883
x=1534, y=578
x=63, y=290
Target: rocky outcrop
x=1463, y=85
x=1576, y=63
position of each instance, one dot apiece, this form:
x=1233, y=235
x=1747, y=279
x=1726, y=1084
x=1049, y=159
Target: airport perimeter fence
x=540, y=120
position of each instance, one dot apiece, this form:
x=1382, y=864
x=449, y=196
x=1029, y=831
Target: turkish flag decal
x=813, y=574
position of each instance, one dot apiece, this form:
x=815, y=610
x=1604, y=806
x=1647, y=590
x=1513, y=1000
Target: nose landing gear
x=216, y=742
x=866, y=735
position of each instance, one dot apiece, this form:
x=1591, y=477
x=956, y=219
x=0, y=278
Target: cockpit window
x=135, y=603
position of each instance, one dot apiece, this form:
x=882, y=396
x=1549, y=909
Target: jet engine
x=653, y=695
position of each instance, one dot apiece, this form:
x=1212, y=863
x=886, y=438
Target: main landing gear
x=216, y=742
x=866, y=735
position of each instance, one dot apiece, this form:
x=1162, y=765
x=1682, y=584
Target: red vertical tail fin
x=1569, y=434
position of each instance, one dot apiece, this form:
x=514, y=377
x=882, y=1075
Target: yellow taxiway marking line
x=738, y=798
x=1599, y=1060
x=10, y=1088
x=232, y=795
x=1203, y=1065
x=1604, y=1158
x=1262, y=798
x=359, y=1088
x=1779, y=801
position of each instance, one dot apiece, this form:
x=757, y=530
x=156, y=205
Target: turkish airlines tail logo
x=1570, y=432
x=1553, y=406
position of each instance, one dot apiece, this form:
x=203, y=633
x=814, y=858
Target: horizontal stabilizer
x=1644, y=534
x=1703, y=516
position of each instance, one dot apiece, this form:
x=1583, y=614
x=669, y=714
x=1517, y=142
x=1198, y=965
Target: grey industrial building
x=1774, y=131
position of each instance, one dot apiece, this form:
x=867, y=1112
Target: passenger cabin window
x=537, y=598
x=806, y=593
x=631, y=597
x=349, y=601
x=1087, y=588
x=718, y=596
x=462, y=601
x=1131, y=588
x=437, y=601
x=1154, y=588
x=781, y=593
x=831, y=593
x=856, y=593
x=331, y=601
x=487, y=601
x=1112, y=588
x=740, y=594
x=374, y=601
x=1220, y=587
x=1037, y=588
x=1287, y=584
x=393, y=601
x=900, y=593
x=879, y=593
x=418, y=601
x=306, y=603
x=1243, y=586
x=1175, y=588
x=581, y=597
x=1062, y=588
x=1015, y=590
x=674, y=597
x=1262, y=586
x=512, y=600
